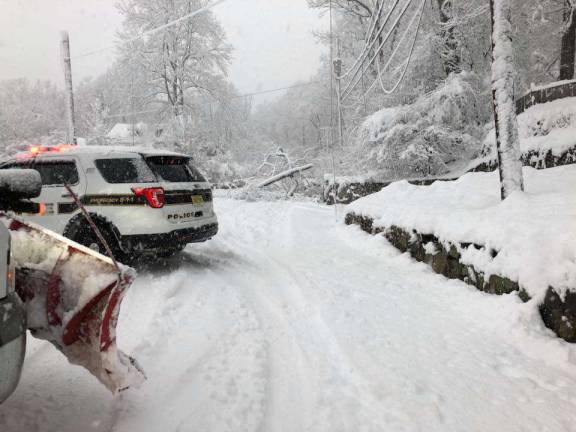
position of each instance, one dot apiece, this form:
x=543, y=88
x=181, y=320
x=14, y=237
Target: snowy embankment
x=545, y=129
x=290, y=321
x=549, y=126
x=533, y=232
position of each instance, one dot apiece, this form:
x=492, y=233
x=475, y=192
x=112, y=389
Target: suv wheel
x=80, y=231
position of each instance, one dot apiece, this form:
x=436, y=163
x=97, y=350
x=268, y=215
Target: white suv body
x=145, y=201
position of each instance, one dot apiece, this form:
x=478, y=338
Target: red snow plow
x=72, y=298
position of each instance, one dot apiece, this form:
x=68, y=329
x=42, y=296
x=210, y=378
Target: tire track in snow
x=314, y=340
x=220, y=377
x=470, y=323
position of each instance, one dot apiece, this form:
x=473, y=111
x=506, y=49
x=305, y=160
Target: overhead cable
x=395, y=87
x=406, y=63
x=370, y=43
x=152, y=31
x=354, y=83
x=222, y=100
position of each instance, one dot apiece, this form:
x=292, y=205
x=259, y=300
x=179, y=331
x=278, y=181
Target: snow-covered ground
x=289, y=321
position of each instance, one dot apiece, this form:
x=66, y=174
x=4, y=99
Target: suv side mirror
x=18, y=184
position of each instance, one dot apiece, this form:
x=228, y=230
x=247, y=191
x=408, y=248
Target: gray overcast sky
x=273, y=40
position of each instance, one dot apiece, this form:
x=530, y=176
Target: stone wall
x=539, y=159
x=350, y=192
x=559, y=314
x=550, y=93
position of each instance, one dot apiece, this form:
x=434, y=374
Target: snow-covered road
x=288, y=321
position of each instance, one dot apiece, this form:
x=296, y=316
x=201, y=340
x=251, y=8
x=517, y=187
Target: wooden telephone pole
x=67, y=63
x=337, y=67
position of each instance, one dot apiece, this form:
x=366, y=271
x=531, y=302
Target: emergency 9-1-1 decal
x=113, y=200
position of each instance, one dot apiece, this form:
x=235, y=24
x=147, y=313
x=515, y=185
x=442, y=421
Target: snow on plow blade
x=73, y=296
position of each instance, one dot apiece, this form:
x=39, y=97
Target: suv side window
x=57, y=173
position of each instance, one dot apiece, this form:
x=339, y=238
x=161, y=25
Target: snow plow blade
x=73, y=296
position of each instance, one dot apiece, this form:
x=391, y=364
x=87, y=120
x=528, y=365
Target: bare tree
x=189, y=57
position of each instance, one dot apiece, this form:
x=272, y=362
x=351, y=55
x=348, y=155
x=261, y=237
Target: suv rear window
x=131, y=170
x=174, y=169
x=197, y=175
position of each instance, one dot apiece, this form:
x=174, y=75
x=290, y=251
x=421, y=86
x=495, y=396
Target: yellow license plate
x=197, y=199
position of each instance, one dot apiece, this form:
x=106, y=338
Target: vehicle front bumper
x=173, y=239
x=12, y=343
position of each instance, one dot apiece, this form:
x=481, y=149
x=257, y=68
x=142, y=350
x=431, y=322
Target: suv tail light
x=154, y=196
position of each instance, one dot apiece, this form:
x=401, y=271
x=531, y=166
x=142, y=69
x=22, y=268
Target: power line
x=370, y=30
x=131, y=114
x=370, y=42
x=354, y=83
x=395, y=87
x=152, y=31
x=406, y=63
x=368, y=38
x=275, y=90
x=222, y=100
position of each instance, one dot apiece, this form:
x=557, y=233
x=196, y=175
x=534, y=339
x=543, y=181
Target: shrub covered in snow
x=222, y=169
x=432, y=136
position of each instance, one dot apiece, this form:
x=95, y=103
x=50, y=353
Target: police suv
x=143, y=201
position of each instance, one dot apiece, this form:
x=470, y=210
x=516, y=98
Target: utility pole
x=67, y=63
x=338, y=74
x=132, y=107
x=505, y=120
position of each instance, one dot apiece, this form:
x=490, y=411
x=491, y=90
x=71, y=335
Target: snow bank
x=546, y=127
x=550, y=126
x=533, y=232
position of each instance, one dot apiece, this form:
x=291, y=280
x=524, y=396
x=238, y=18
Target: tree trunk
x=506, y=123
x=568, y=47
x=450, y=56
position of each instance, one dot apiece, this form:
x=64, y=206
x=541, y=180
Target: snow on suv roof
x=120, y=149
x=39, y=151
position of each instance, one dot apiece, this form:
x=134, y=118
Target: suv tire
x=80, y=231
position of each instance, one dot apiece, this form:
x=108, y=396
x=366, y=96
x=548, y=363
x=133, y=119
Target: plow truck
x=62, y=292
